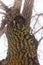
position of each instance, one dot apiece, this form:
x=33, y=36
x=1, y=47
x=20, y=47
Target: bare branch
x=27, y=11
x=35, y=22
x=3, y=31
x=41, y=14
x=3, y=6
x=40, y=40
x=17, y=4
x=38, y=30
x=38, y=15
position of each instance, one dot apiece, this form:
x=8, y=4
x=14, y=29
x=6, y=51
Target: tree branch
x=3, y=31
x=38, y=30
x=3, y=6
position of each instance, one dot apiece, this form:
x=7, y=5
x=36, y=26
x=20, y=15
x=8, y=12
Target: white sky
x=38, y=4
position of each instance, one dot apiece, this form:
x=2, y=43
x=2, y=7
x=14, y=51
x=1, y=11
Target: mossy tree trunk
x=22, y=46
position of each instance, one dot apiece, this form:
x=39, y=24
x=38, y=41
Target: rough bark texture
x=22, y=46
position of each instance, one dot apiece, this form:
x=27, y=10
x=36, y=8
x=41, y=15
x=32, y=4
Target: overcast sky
x=38, y=4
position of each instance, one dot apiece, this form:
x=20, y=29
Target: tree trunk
x=22, y=46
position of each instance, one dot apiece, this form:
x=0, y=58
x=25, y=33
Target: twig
x=38, y=30
x=41, y=14
x=40, y=40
